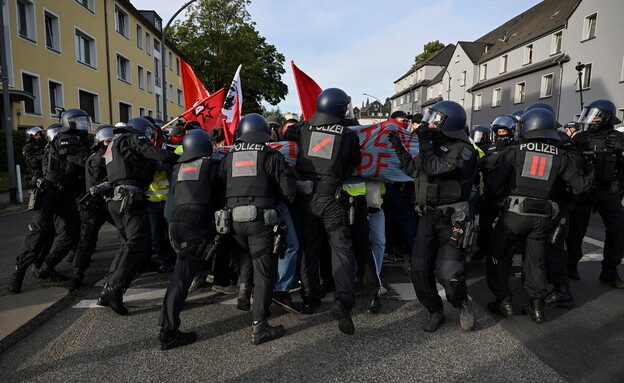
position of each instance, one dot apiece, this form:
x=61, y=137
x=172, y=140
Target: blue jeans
x=287, y=267
x=156, y=215
x=377, y=223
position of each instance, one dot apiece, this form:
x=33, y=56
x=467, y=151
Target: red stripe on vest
x=191, y=169
x=534, y=165
x=321, y=144
x=542, y=165
x=243, y=163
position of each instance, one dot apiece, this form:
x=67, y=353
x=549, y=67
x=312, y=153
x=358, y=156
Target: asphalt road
x=584, y=344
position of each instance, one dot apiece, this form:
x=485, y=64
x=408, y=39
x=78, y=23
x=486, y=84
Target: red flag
x=193, y=89
x=232, y=108
x=308, y=91
x=207, y=111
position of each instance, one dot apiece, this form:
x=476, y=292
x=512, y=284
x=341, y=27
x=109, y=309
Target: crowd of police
x=531, y=183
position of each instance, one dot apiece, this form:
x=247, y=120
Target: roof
x=432, y=101
x=442, y=57
x=522, y=71
x=474, y=50
x=545, y=17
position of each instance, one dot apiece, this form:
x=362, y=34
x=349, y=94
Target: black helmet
x=480, y=134
x=137, y=125
x=539, y=123
x=196, y=143
x=31, y=132
x=52, y=131
x=75, y=119
x=449, y=117
x=541, y=105
x=253, y=128
x=332, y=106
x=159, y=122
x=104, y=132
x=506, y=122
x=518, y=114
x=598, y=114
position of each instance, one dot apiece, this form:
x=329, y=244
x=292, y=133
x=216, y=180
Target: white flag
x=233, y=104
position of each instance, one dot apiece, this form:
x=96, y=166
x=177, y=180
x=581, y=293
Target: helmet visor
x=104, y=134
x=478, y=137
x=593, y=116
x=83, y=123
x=434, y=119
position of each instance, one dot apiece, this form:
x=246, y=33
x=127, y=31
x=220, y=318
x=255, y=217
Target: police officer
x=527, y=175
x=444, y=174
x=257, y=177
x=93, y=212
x=198, y=193
x=328, y=153
x=481, y=136
x=130, y=171
x=601, y=146
x=33, y=154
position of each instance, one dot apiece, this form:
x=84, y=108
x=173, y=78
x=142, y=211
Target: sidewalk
x=6, y=208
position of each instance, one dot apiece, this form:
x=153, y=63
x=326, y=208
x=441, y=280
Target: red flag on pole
x=232, y=108
x=207, y=111
x=308, y=91
x=193, y=89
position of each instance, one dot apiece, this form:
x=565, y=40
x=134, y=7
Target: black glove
x=615, y=142
x=395, y=139
x=423, y=130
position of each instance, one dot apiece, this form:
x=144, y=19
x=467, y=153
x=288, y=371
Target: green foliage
x=217, y=36
x=429, y=50
x=19, y=140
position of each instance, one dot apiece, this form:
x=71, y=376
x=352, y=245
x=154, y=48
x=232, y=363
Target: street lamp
x=163, y=37
x=579, y=68
x=380, y=103
x=448, y=92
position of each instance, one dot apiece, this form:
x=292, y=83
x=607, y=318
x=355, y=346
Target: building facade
x=102, y=56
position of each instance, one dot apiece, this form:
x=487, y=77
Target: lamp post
x=579, y=68
x=448, y=92
x=163, y=37
x=381, y=103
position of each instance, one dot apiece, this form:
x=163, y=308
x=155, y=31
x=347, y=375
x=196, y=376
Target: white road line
x=594, y=242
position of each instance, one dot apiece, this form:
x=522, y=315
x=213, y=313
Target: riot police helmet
x=32, y=132
x=75, y=119
x=253, y=128
x=480, y=134
x=159, y=122
x=506, y=122
x=598, y=114
x=138, y=125
x=332, y=106
x=104, y=132
x=196, y=143
x=541, y=105
x=52, y=131
x=539, y=123
x=449, y=118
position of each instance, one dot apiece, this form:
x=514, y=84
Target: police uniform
x=33, y=153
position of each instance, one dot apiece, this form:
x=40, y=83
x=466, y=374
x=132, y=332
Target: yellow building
x=102, y=56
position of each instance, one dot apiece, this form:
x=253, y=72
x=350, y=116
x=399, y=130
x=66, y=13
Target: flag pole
x=170, y=122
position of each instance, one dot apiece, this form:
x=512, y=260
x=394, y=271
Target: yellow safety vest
x=159, y=188
x=355, y=189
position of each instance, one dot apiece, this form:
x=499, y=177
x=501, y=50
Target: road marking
x=594, y=242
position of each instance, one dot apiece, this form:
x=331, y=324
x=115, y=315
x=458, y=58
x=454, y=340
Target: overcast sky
x=360, y=46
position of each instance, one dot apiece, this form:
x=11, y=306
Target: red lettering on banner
x=243, y=163
x=190, y=169
x=382, y=131
x=368, y=132
x=379, y=165
x=362, y=165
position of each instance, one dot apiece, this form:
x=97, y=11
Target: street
x=83, y=342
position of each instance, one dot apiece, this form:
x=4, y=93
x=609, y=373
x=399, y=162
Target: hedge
x=19, y=139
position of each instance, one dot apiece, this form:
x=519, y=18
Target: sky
x=360, y=46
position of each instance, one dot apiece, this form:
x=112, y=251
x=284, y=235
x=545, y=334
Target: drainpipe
x=108, y=66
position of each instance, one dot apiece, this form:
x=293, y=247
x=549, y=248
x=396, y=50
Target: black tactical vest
x=536, y=169
x=124, y=166
x=193, y=182
x=95, y=168
x=324, y=151
x=246, y=173
x=60, y=171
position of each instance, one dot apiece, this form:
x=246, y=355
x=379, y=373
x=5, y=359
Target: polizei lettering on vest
x=248, y=146
x=539, y=147
x=328, y=128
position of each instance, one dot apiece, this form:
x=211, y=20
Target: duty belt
x=442, y=210
x=251, y=213
x=537, y=207
x=122, y=190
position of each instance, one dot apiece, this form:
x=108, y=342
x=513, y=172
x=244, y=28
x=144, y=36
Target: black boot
x=534, y=309
x=112, y=297
x=434, y=320
x=244, y=297
x=175, y=338
x=559, y=296
x=573, y=272
x=262, y=332
x=310, y=304
x=502, y=307
x=17, y=277
x=76, y=281
x=374, y=306
x=466, y=318
x=342, y=313
x=610, y=276
x=47, y=272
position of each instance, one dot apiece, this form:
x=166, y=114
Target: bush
x=19, y=139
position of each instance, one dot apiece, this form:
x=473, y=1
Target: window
x=622, y=74
x=139, y=35
x=556, y=43
x=141, y=111
x=478, y=100
x=85, y=48
x=121, y=22
x=170, y=61
x=483, y=72
x=26, y=20
x=30, y=84
x=170, y=93
x=547, y=86
x=177, y=66
x=519, y=93
x=589, y=27
x=157, y=71
x=586, y=76
x=419, y=75
x=503, y=63
x=158, y=107
x=528, y=54
x=150, y=113
x=463, y=78
x=462, y=102
x=52, y=31
x=123, y=68
x=125, y=111
x=55, y=90
x=148, y=43
x=496, y=97
x=415, y=96
x=430, y=93
x=89, y=4
x=90, y=104
x=157, y=46
x=141, y=78
x=150, y=84
x=180, y=98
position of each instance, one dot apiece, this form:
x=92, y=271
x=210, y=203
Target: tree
x=429, y=50
x=217, y=36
